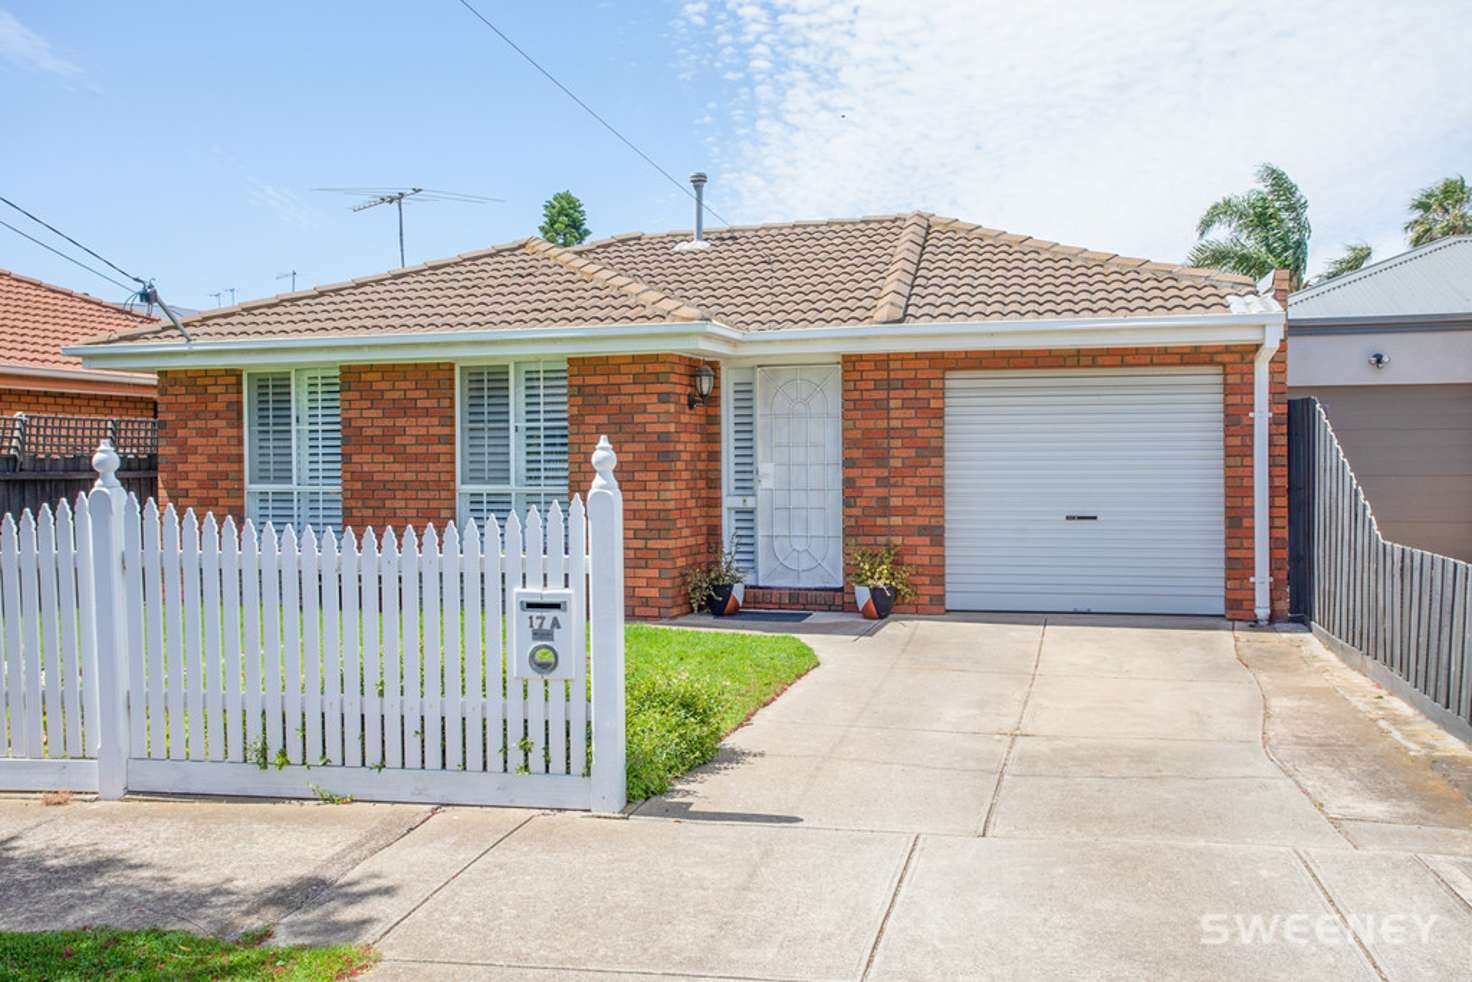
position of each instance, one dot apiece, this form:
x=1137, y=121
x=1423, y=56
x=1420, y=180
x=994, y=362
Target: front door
x=799, y=498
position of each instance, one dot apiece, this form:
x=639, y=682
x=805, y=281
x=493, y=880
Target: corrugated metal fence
x=1406, y=613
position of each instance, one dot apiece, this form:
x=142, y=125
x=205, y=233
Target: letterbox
x=540, y=633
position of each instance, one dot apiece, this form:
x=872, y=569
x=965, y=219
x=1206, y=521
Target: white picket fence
x=152, y=652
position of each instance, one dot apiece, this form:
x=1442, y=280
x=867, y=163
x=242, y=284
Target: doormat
x=792, y=616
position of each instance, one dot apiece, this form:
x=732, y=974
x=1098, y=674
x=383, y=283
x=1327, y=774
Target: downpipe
x=1262, y=595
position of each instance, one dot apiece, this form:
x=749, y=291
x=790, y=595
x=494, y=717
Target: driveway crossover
x=941, y=798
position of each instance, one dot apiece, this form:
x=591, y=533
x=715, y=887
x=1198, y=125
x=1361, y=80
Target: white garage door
x=1085, y=490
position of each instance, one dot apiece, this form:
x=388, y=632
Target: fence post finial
x=604, y=461
x=106, y=463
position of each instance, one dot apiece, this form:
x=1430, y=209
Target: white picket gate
x=153, y=652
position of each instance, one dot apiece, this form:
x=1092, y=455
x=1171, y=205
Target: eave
x=707, y=339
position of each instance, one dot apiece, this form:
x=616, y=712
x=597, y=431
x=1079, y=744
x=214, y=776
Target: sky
x=184, y=141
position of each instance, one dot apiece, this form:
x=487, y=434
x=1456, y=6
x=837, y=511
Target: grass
x=688, y=689
x=95, y=953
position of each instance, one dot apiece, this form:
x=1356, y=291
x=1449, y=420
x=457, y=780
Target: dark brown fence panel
x=1402, y=615
x=45, y=458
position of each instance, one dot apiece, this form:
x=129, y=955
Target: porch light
x=705, y=380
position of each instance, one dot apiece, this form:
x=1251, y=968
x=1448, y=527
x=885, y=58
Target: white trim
x=706, y=339
x=146, y=380
x=1262, y=596
x=54, y=774
x=448, y=787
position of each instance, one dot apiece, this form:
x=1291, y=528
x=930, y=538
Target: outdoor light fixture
x=705, y=380
x=1379, y=360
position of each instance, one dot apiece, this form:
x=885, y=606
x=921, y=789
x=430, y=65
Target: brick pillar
x=894, y=465
x=398, y=445
x=1282, y=279
x=669, y=467
x=201, y=453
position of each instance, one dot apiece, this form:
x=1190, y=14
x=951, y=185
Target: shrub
x=674, y=724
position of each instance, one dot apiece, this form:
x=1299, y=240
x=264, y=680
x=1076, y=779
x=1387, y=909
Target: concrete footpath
x=942, y=798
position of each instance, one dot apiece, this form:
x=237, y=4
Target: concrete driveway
x=941, y=798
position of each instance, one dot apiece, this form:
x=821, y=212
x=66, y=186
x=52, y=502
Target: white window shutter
x=320, y=436
x=543, y=425
x=268, y=407
x=741, y=518
x=485, y=425
x=513, y=438
x=294, y=445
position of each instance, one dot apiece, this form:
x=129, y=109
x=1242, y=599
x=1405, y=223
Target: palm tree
x=1267, y=228
x=1445, y=208
x=1355, y=256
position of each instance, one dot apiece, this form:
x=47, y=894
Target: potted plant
x=879, y=580
x=716, y=586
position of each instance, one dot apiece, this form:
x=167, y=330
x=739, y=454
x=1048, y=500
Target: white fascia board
x=1001, y=335
x=142, y=381
x=713, y=340
x=702, y=339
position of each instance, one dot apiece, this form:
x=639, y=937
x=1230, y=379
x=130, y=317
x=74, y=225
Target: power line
x=74, y=242
x=69, y=259
x=590, y=110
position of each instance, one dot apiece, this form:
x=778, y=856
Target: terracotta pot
x=724, y=600
x=874, y=602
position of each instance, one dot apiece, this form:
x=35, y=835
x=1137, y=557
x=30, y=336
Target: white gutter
x=700, y=338
x=82, y=375
x=1262, y=596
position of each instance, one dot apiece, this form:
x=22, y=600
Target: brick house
x=38, y=320
x=1036, y=426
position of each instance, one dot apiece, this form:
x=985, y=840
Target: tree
x=1267, y=228
x=1445, y=208
x=563, y=221
x=1355, y=256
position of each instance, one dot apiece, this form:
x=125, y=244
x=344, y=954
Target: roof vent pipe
x=697, y=181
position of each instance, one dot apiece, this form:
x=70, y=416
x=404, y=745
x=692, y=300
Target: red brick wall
x=201, y=454
x=40, y=401
x=398, y=445
x=669, y=467
x=894, y=454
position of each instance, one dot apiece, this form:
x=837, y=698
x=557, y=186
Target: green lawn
x=97, y=953
x=688, y=689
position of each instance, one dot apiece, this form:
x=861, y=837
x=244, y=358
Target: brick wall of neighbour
x=201, y=454
x=894, y=454
x=51, y=402
x=398, y=444
x=669, y=467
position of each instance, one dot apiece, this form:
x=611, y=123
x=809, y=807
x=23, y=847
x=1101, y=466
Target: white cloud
x=26, y=49
x=1107, y=124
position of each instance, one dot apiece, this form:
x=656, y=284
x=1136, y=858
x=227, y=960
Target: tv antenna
x=217, y=297
x=373, y=197
x=292, y=274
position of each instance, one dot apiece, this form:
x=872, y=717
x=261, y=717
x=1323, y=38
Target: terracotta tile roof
x=893, y=269
x=37, y=320
x=764, y=277
x=972, y=273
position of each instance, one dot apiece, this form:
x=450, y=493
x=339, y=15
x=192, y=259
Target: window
x=293, y=448
x=740, y=417
x=513, y=438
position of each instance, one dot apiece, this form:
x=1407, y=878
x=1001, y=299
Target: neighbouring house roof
x=897, y=269
x=38, y=319
x=1433, y=279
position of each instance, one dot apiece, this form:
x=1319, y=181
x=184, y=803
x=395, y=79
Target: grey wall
x=1410, y=446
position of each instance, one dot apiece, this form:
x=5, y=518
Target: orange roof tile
x=893, y=269
x=38, y=319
